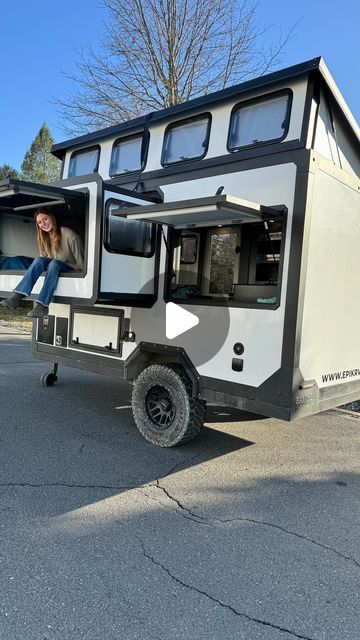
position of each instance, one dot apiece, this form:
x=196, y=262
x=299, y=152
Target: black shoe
x=13, y=302
x=39, y=311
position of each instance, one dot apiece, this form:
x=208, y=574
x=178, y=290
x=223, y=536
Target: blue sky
x=39, y=38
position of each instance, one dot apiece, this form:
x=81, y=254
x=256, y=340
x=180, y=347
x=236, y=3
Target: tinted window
x=83, y=162
x=186, y=140
x=259, y=121
x=126, y=156
x=128, y=236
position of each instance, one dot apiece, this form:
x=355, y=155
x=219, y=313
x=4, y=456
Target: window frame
x=79, y=152
x=181, y=122
x=125, y=252
x=214, y=300
x=142, y=162
x=261, y=99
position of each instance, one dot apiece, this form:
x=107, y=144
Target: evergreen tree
x=6, y=171
x=39, y=165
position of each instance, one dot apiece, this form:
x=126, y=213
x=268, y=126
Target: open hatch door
x=20, y=196
x=19, y=200
x=218, y=209
x=215, y=247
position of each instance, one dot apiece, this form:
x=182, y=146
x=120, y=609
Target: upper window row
x=254, y=122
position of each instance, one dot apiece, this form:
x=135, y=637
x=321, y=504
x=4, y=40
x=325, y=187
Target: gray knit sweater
x=70, y=250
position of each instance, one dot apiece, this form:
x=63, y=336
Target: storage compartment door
x=129, y=261
x=97, y=330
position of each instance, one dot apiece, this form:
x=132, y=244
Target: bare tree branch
x=157, y=53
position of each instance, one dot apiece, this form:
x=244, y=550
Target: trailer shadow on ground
x=80, y=432
x=252, y=513
x=221, y=413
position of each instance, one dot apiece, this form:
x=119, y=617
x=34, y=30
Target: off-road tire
x=164, y=411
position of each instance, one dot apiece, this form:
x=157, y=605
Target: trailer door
x=129, y=253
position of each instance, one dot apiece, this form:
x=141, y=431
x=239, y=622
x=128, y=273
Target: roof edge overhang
x=131, y=126
x=316, y=65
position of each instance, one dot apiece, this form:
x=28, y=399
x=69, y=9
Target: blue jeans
x=53, y=268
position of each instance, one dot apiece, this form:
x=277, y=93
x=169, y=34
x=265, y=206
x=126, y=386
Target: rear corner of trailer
x=329, y=336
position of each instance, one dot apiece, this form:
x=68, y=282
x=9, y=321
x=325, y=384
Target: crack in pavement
x=297, y=535
x=90, y=486
x=182, y=463
x=199, y=519
x=182, y=514
x=64, y=484
x=228, y=607
x=184, y=510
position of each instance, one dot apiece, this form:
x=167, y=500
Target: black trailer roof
x=316, y=65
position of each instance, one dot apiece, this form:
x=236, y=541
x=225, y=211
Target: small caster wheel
x=48, y=379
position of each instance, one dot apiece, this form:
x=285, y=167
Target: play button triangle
x=178, y=320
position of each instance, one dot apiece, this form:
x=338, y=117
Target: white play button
x=178, y=320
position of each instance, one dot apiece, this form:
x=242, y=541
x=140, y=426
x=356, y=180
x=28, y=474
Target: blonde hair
x=45, y=238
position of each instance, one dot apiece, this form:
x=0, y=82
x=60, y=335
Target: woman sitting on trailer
x=60, y=250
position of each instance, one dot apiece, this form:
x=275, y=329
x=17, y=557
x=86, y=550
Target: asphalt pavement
x=249, y=532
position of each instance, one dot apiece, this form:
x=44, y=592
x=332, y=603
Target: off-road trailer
x=240, y=209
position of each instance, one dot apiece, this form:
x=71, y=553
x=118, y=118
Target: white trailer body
x=241, y=209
